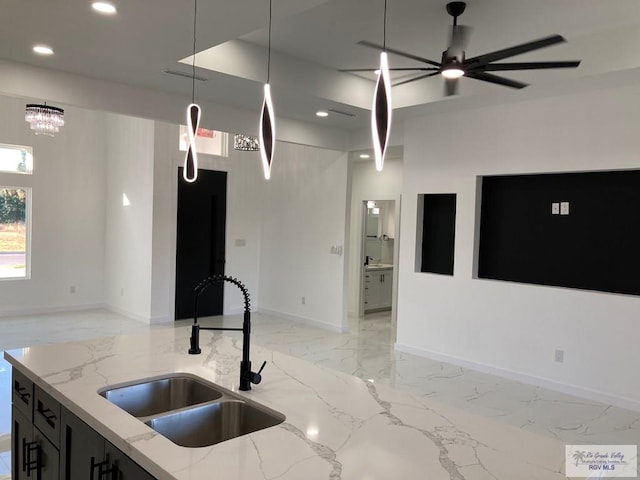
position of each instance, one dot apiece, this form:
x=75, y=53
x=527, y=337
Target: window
x=15, y=202
x=16, y=159
x=211, y=142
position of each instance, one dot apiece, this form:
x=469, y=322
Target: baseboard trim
x=566, y=388
x=308, y=321
x=132, y=316
x=20, y=312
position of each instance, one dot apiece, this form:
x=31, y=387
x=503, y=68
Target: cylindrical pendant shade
x=190, y=170
x=381, y=113
x=267, y=132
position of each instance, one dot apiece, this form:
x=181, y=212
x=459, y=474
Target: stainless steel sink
x=214, y=423
x=154, y=396
x=189, y=411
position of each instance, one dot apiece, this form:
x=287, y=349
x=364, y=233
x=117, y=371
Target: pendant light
x=267, y=128
x=44, y=119
x=190, y=168
x=381, y=110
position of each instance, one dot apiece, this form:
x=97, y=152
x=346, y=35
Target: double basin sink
x=190, y=411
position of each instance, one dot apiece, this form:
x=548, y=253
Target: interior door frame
x=396, y=252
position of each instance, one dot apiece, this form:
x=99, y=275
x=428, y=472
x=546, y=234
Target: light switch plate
x=555, y=208
x=240, y=242
x=564, y=208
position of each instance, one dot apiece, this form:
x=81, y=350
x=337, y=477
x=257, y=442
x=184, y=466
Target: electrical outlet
x=122, y=292
x=304, y=300
x=564, y=208
x=559, y=356
x=72, y=289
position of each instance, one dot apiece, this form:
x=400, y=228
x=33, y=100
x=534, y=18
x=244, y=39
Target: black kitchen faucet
x=247, y=377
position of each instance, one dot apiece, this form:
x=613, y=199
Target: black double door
x=200, y=243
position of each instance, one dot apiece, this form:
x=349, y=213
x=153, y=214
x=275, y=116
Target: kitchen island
x=336, y=427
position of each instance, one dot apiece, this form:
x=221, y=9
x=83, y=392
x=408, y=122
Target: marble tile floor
x=366, y=351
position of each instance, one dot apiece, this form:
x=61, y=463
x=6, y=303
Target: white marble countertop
x=338, y=427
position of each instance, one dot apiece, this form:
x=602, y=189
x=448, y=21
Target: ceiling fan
x=454, y=64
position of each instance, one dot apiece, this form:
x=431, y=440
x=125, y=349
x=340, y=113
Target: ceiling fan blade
x=512, y=51
x=497, y=67
x=415, y=79
x=398, y=52
x=451, y=86
x=459, y=39
x=408, y=69
x=487, y=77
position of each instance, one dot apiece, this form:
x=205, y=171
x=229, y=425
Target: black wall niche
x=438, y=232
x=596, y=246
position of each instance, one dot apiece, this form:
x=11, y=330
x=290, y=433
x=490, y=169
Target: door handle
x=28, y=463
x=103, y=470
x=48, y=414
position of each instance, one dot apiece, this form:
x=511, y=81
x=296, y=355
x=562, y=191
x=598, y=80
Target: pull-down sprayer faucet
x=247, y=377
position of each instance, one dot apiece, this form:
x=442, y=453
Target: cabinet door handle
x=47, y=413
x=28, y=463
x=104, y=470
x=22, y=392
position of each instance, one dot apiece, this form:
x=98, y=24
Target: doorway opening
x=200, y=242
x=379, y=259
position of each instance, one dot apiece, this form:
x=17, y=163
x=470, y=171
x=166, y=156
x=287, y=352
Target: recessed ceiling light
x=106, y=8
x=322, y=113
x=43, y=50
x=365, y=155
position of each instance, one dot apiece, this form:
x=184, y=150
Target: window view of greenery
x=13, y=232
x=16, y=159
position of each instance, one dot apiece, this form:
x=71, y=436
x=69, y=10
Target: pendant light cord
x=193, y=57
x=384, y=27
x=269, y=49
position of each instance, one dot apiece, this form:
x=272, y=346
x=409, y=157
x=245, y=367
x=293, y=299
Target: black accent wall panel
x=438, y=233
x=595, y=247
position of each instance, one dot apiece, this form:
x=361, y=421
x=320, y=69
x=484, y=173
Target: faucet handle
x=257, y=378
x=254, y=377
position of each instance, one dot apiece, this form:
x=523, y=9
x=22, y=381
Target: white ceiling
x=312, y=39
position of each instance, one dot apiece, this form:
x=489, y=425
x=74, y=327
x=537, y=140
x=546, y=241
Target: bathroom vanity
x=378, y=287
x=332, y=425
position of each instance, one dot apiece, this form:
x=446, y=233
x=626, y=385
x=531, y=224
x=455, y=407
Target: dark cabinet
x=82, y=451
x=88, y=456
x=51, y=443
x=125, y=468
x=33, y=456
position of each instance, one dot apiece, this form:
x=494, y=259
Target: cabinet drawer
x=46, y=415
x=22, y=393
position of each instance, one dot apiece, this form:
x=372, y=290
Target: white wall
x=129, y=159
x=68, y=212
x=244, y=187
x=510, y=328
x=304, y=211
x=367, y=184
x=66, y=89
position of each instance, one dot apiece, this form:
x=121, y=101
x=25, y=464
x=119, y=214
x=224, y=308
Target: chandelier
x=44, y=119
x=245, y=143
